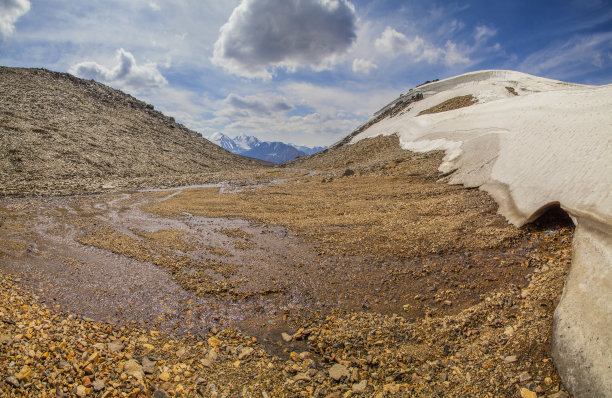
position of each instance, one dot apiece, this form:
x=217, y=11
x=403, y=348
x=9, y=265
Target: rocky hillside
x=62, y=135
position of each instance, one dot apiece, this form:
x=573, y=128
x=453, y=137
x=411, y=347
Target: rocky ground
x=61, y=135
x=368, y=277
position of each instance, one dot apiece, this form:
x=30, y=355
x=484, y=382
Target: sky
x=301, y=71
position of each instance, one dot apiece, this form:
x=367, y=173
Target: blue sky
x=300, y=71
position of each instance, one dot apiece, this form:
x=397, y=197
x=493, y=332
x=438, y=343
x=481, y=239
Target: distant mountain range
x=276, y=152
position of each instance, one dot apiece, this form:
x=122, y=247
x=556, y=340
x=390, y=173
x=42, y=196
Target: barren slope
x=63, y=135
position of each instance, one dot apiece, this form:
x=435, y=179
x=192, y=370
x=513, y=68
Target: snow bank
x=550, y=144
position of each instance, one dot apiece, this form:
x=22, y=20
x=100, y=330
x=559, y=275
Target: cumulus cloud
x=363, y=66
x=126, y=74
x=395, y=43
x=248, y=106
x=10, y=12
x=262, y=35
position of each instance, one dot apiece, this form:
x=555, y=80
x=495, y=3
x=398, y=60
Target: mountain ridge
x=272, y=151
x=66, y=135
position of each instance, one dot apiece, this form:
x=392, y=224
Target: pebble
x=81, y=391
x=134, y=369
x=560, y=394
x=360, y=387
x=115, y=346
x=286, y=337
x=523, y=377
x=98, y=385
x=338, y=371
x=12, y=380
x=510, y=359
x=245, y=352
x=24, y=374
x=148, y=366
x=160, y=394
x=525, y=393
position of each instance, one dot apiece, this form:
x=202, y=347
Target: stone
x=301, y=377
x=160, y=394
x=510, y=359
x=523, y=377
x=525, y=393
x=164, y=376
x=286, y=337
x=245, y=352
x=81, y=391
x=24, y=374
x=115, y=346
x=98, y=385
x=148, y=366
x=12, y=380
x=86, y=381
x=359, y=388
x=338, y=371
x=134, y=369
x=560, y=394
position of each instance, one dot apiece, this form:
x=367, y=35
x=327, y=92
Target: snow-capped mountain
x=276, y=152
x=224, y=142
x=246, y=142
x=307, y=149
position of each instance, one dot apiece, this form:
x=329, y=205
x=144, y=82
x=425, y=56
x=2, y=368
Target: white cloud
x=262, y=35
x=579, y=55
x=10, y=12
x=452, y=56
x=395, y=43
x=363, y=66
x=126, y=74
x=154, y=6
x=484, y=32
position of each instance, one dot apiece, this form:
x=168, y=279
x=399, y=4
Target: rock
x=115, y=346
x=5, y=339
x=301, y=377
x=286, y=337
x=24, y=374
x=86, y=381
x=98, y=385
x=523, y=377
x=160, y=394
x=134, y=369
x=245, y=352
x=510, y=359
x=525, y=393
x=214, y=342
x=12, y=380
x=148, y=366
x=164, y=376
x=81, y=391
x=560, y=394
x=359, y=388
x=338, y=371
x=64, y=365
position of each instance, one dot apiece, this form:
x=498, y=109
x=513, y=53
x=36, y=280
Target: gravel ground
x=408, y=287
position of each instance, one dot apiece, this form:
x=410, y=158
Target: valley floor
x=357, y=272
